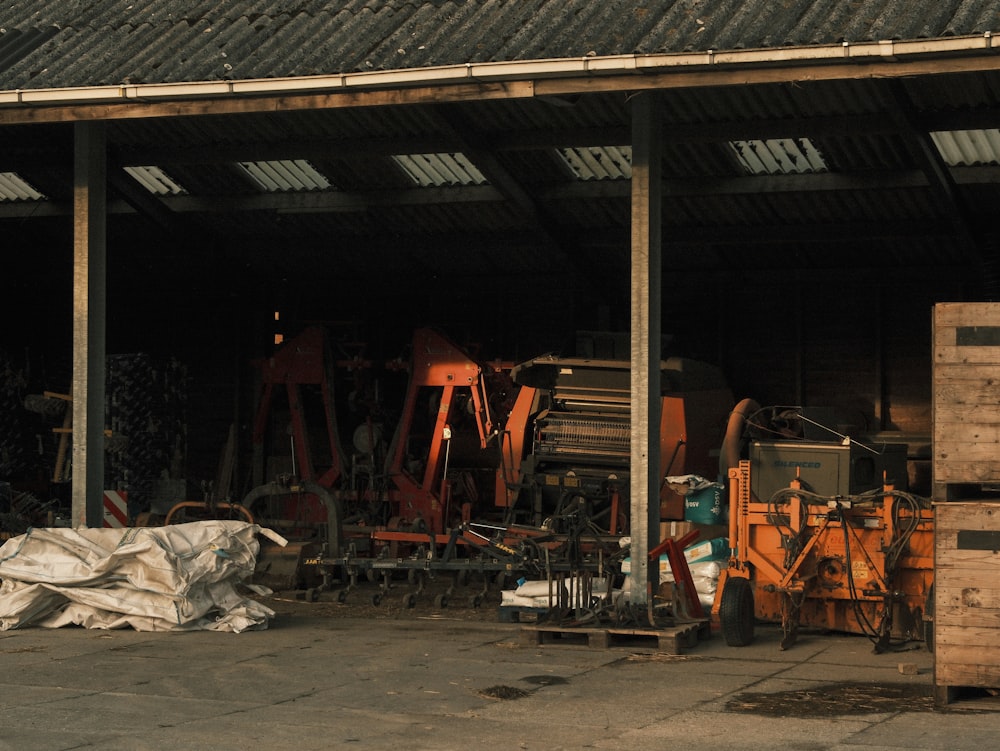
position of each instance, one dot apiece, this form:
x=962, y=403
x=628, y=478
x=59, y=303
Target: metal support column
x=89, y=318
x=645, y=343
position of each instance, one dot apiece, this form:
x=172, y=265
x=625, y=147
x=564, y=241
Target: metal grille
x=593, y=437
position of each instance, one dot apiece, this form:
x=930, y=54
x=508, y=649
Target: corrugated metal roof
x=59, y=44
x=500, y=179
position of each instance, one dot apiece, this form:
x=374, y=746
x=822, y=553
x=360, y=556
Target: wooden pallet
x=671, y=640
x=521, y=614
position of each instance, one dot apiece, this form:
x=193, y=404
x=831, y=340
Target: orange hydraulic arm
x=436, y=362
x=304, y=360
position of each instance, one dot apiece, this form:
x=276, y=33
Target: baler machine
x=575, y=413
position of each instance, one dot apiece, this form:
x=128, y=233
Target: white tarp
x=177, y=577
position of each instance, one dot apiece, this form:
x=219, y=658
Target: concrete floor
x=331, y=676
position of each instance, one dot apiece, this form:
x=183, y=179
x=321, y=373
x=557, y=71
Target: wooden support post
x=645, y=344
x=89, y=313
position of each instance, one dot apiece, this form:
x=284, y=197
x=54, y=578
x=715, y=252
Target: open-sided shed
x=783, y=188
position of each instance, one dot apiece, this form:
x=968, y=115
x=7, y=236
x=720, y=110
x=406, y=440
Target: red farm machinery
x=487, y=469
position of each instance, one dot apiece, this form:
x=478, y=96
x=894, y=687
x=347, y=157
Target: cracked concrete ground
x=329, y=676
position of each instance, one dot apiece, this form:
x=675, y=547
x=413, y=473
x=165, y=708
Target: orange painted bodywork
x=832, y=560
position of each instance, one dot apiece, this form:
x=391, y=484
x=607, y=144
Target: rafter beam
x=13, y=159
x=142, y=200
x=773, y=234
x=474, y=146
x=928, y=158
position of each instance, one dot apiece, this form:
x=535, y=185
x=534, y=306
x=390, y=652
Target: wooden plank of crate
x=948, y=472
x=969, y=410
x=978, y=434
x=950, y=673
x=966, y=354
x=962, y=373
x=958, y=617
x=967, y=515
x=954, y=314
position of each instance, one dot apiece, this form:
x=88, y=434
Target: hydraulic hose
x=334, y=513
x=729, y=456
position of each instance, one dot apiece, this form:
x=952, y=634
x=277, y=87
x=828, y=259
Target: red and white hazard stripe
x=115, y=508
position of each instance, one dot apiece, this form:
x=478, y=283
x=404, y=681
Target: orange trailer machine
x=857, y=563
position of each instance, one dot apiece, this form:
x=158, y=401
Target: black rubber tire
x=736, y=612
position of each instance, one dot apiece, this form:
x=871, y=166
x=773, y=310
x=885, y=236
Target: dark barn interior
x=809, y=280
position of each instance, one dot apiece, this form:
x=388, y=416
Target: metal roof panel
x=109, y=42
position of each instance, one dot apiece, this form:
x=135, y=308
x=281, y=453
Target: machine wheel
x=441, y=601
x=736, y=612
x=371, y=574
x=409, y=600
x=475, y=601
x=312, y=594
x=376, y=599
x=342, y=595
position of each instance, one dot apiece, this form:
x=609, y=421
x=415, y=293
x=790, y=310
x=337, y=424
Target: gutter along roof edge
x=506, y=71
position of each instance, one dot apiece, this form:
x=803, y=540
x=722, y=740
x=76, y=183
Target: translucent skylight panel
x=13, y=187
x=285, y=175
x=965, y=148
x=779, y=156
x=155, y=180
x=437, y=170
x=599, y=162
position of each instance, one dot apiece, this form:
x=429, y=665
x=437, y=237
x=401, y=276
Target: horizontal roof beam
x=341, y=201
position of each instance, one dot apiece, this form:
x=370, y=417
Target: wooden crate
x=966, y=597
x=966, y=398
